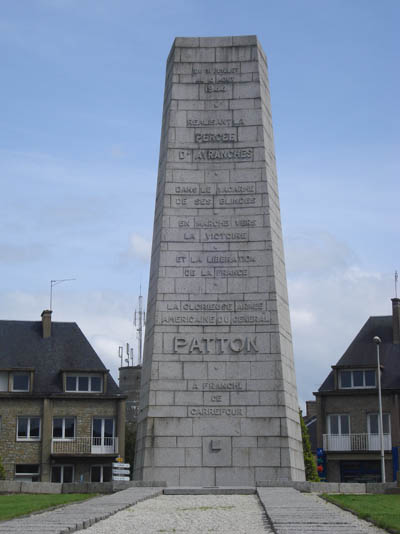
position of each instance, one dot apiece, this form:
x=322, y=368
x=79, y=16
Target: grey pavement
x=288, y=512
x=73, y=517
x=292, y=512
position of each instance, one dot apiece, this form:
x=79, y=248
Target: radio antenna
x=139, y=322
x=55, y=283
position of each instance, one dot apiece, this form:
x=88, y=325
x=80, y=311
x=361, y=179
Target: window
x=373, y=423
x=100, y=473
x=64, y=427
x=3, y=381
x=360, y=378
x=88, y=383
x=27, y=472
x=28, y=428
x=62, y=473
x=339, y=424
x=20, y=382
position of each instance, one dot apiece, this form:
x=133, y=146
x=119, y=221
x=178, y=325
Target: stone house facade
x=62, y=417
x=347, y=405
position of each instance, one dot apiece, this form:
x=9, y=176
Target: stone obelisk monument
x=219, y=401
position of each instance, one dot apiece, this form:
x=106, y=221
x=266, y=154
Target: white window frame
x=16, y=373
x=89, y=377
x=62, y=466
x=352, y=386
x=339, y=416
x=63, y=438
x=29, y=438
x=387, y=414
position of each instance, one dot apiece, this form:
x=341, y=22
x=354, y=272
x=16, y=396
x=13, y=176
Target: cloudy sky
x=81, y=98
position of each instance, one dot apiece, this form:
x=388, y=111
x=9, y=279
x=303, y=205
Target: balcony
x=84, y=446
x=356, y=442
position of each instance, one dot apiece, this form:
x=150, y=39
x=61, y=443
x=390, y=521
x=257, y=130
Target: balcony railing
x=85, y=446
x=356, y=442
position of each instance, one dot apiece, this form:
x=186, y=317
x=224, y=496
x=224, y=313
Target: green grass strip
x=382, y=510
x=14, y=505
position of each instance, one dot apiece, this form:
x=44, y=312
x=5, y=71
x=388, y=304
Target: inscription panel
x=216, y=411
x=217, y=385
x=179, y=318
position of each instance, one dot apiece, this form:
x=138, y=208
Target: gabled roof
x=22, y=346
x=362, y=353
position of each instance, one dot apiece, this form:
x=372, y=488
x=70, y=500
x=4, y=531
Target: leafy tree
x=309, y=460
x=130, y=441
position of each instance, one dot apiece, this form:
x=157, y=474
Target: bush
x=309, y=460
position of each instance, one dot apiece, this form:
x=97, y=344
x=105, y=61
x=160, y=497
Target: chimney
x=396, y=320
x=46, y=323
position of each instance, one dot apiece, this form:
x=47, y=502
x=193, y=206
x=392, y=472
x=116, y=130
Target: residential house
x=347, y=405
x=62, y=416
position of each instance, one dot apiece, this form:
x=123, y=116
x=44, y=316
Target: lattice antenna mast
x=139, y=322
x=396, y=277
x=54, y=283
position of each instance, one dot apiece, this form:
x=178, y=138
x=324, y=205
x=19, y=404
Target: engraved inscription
x=215, y=137
x=224, y=236
x=235, y=189
x=214, y=345
x=216, y=411
x=198, y=123
x=232, y=201
x=180, y=318
x=217, y=385
x=233, y=154
x=217, y=273
x=238, y=306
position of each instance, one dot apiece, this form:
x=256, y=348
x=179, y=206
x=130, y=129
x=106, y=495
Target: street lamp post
x=377, y=340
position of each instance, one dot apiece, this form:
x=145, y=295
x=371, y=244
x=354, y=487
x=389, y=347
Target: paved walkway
x=278, y=510
x=292, y=512
x=77, y=516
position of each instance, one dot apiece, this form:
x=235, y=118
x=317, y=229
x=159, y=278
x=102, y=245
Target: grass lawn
x=23, y=503
x=383, y=510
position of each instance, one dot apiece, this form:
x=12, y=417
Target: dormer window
x=358, y=378
x=16, y=380
x=84, y=383
x=20, y=381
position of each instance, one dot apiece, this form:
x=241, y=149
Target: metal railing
x=356, y=442
x=84, y=446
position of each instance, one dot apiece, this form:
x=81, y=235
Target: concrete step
x=210, y=490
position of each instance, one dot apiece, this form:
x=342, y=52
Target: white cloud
x=317, y=253
x=140, y=247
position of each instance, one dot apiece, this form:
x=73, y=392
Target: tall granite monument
x=218, y=397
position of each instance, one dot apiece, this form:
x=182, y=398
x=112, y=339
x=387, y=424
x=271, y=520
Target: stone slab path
x=77, y=516
x=292, y=512
x=275, y=510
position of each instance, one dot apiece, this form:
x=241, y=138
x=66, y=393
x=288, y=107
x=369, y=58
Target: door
x=103, y=435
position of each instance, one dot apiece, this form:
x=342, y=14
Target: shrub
x=309, y=460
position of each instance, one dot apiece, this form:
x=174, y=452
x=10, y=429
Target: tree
x=130, y=441
x=309, y=460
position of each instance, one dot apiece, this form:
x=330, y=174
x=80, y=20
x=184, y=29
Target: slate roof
x=362, y=353
x=22, y=346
